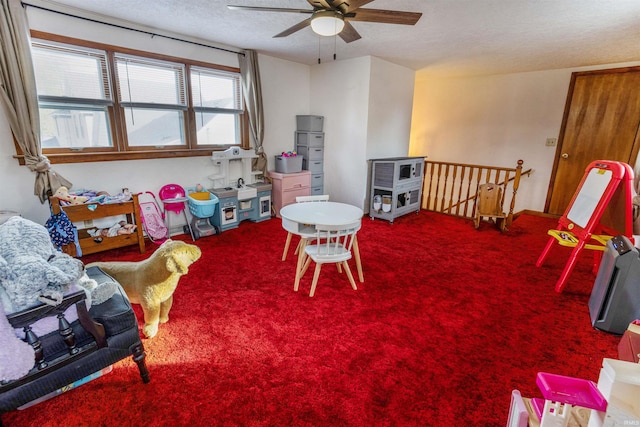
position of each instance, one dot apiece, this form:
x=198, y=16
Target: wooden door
x=600, y=122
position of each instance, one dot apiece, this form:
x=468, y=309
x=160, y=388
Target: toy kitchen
x=241, y=194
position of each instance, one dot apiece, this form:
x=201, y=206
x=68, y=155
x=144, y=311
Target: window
x=217, y=103
x=152, y=96
x=100, y=102
x=74, y=95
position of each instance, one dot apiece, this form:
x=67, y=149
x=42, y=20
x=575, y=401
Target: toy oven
x=228, y=213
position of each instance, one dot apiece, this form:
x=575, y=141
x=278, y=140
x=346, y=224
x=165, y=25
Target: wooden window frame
x=121, y=151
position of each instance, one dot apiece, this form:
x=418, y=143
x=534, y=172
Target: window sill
x=59, y=158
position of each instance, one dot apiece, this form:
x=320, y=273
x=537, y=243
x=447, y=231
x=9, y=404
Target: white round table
x=302, y=217
x=298, y=215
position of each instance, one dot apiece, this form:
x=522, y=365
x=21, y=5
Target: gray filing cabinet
x=396, y=186
x=309, y=143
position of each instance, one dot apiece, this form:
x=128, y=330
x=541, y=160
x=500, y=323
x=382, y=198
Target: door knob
x=565, y=155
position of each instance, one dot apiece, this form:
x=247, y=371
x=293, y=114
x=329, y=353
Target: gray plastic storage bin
x=316, y=180
x=314, y=166
x=309, y=123
x=313, y=153
x=289, y=164
x=310, y=139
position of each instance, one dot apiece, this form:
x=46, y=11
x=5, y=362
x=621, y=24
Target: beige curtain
x=18, y=96
x=252, y=92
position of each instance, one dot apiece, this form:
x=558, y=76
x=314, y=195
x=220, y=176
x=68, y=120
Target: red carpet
x=449, y=320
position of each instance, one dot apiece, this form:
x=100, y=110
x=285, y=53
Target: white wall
x=285, y=91
x=16, y=193
x=340, y=93
x=390, y=105
x=493, y=120
x=367, y=105
x=43, y=20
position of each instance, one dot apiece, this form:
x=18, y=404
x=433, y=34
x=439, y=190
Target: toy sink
x=245, y=193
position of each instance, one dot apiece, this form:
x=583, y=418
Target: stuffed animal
x=62, y=193
x=32, y=270
x=152, y=282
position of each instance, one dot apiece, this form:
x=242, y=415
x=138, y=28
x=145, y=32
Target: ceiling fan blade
x=297, y=27
x=348, y=33
x=268, y=9
x=386, y=16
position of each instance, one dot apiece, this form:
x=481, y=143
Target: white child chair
x=332, y=246
x=303, y=235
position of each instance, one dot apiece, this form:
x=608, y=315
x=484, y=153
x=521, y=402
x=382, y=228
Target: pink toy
x=152, y=220
x=574, y=391
x=174, y=198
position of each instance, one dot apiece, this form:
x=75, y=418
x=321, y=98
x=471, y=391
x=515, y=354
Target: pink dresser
x=288, y=186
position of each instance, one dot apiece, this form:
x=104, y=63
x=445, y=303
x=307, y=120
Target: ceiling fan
x=331, y=17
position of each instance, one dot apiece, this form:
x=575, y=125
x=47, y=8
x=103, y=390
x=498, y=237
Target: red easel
x=605, y=184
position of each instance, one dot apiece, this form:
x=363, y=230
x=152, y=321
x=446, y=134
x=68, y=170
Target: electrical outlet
x=551, y=142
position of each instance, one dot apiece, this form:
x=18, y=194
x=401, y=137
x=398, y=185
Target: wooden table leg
x=356, y=253
x=300, y=263
x=286, y=246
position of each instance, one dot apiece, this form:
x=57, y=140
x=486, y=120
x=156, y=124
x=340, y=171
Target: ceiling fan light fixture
x=327, y=23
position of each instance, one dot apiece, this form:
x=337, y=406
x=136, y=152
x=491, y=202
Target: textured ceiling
x=453, y=36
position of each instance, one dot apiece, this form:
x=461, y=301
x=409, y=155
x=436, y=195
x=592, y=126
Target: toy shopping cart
x=151, y=218
x=202, y=205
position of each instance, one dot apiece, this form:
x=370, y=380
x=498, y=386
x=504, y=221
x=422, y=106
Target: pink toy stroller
x=152, y=219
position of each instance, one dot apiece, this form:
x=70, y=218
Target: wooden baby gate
x=452, y=188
